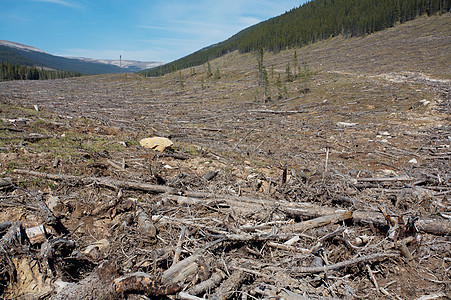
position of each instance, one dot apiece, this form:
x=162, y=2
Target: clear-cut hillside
x=338, y=188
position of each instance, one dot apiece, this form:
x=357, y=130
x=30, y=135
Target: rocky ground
x=339, y=188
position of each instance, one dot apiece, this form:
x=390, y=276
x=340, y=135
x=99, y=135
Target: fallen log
x=336, y=217
x=184, y=268
x=5, y=183
x=145, y=223
x=230, y=286
x=301, y=210
x=12, y=240
x=181, y=270
x=143, y=283
x=208, y=284
x=437, y=226
x=382, y=179
x=98, y=285
x=280, y=112
x=4, y=226
x=372, y=257
x=102, y=181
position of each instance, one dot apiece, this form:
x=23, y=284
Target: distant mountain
x=16, y=53
x=20, y=46
x=314, y=21
x=127, y=65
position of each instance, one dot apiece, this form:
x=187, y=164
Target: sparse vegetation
x=364, y=118
x=312, y=22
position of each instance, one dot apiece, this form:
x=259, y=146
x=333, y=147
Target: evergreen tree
x=279, y=87
x=315, y=20
x=266, y=89
x=288, y=73
x=260, y=67
x=295, y=63
x=209, y=74
x=217, y=75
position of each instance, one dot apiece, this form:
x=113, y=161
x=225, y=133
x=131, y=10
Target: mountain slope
x=42, y=59
x=314, y=21
x=16, y=53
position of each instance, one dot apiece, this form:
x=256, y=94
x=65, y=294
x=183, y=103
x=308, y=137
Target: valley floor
x=348, y=170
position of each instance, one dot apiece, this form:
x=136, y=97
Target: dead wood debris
x=331, y=233
x=223, y=256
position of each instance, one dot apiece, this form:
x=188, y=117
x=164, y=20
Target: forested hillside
x=40, y=59
x=313, y=21
x=10, y=71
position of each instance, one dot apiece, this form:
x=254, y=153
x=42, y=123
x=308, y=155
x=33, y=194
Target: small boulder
x=156, y=143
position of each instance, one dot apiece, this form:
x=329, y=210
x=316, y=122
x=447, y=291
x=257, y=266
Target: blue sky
x=152, y=30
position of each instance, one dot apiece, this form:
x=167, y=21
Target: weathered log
x=13, y=239
x=178, y=248
x=280, y=112
x=429, y=225
x=188, y=266
x=49, y=217
x=5, y=226
x=5, y=183
x=145, y=223
x=439, y=226
x=372, y=257
x=338, y=216
x=103, y=181
x=36, y=234
x=382, y=179
x=187, y=296
x=143, y=283
x=97, y=286
x=288, y=247
x=230, y=286
x=208, y=284
x=181, y=270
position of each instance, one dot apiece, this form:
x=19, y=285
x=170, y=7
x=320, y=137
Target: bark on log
x=5, y=183
x=230, y=285
x=320, y=221
x=439, y=226
x=208, y=284
x=103, y=181
x=97, y=286
x=429, y=225
x=181, y=270
x=186, y=296
x=145, y=223
x=12, y=240
x=346, y=263
x=143, y=283
x=5, y=226
x=36, y=234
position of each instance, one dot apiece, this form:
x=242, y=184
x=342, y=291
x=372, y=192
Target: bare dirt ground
x=338, y=191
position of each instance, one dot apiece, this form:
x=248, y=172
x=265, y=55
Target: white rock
x=413, y=161
x=156, y=143
x=346, y=124
x=425, y=102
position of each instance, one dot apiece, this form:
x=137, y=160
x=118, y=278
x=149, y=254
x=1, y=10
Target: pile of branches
x=164, y=241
